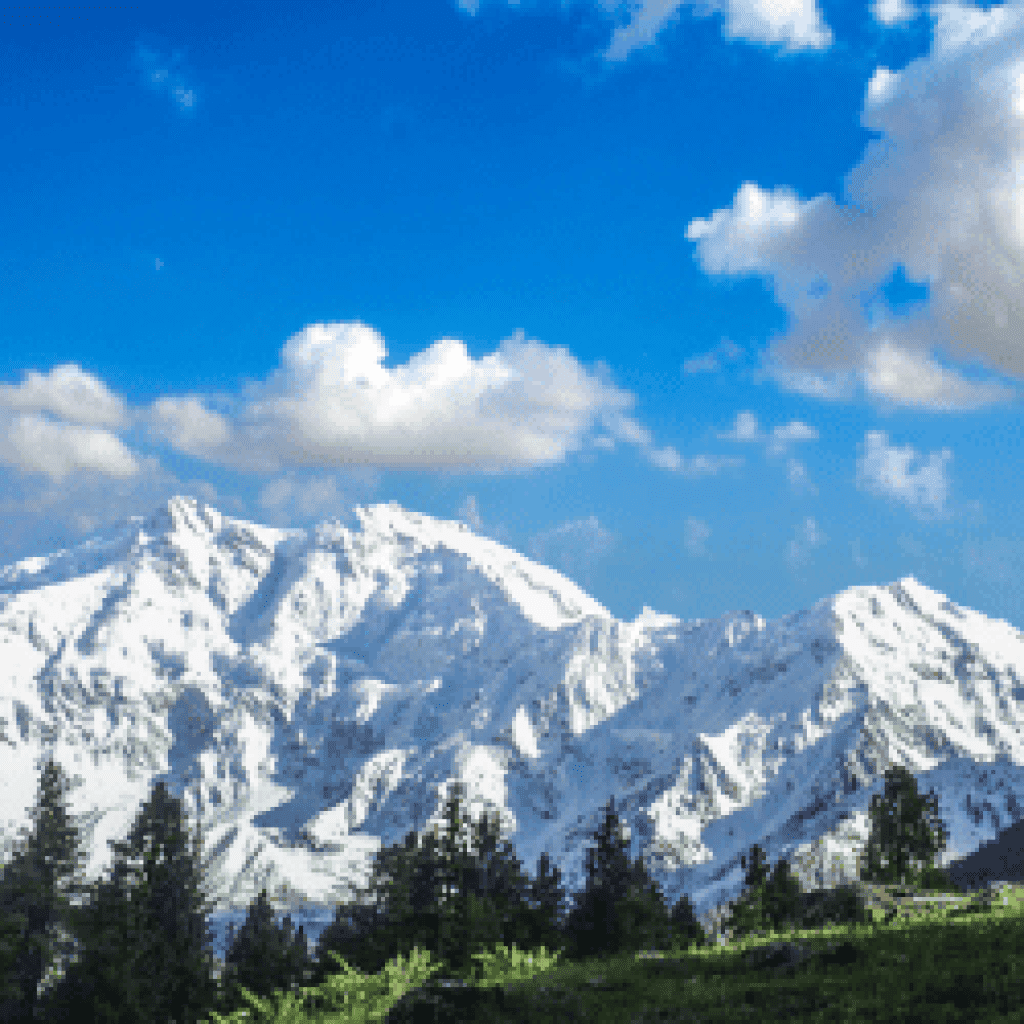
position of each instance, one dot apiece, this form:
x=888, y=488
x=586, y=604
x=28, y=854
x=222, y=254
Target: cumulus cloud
x=56, y=423
x=333, y=404
x=161, y=74
x=33, y=444
x=623, y=429
x=938, y=194
x=883, y=470
x=796, y=473
x=746, y=429
x=66, y=391
x=188, y=425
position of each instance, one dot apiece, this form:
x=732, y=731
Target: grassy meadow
x=922, y=958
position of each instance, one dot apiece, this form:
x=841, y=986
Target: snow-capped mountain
x=312, y=695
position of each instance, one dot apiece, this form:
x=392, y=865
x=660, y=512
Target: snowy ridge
x=311, y=695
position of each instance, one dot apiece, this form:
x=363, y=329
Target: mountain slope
x=312, y=694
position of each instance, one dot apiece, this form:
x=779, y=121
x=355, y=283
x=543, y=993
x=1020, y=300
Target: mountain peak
x=312, y=695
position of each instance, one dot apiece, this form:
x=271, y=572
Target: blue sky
x=711, y=308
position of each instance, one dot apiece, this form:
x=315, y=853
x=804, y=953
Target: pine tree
x=547, y=908
x=264, y=957
x=497, y=889
x=748, y=912
x=394, y=914
x=687, y=930
x=444, y=891
x=782, y=904
x=34, y=891
x=102, y=984
x=147, y=954
x=906, y=832
x=620, y=908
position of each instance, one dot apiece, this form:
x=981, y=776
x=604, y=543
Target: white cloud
x=34, y=444
x=159, y=73
x=624, y=429
x=333, y=404
x=883, y=470
x=939, y=194
x=892, y=12
x=746, y=428
x=188, y=425
x=808, y=537
x=695, y=533
x=795, y=23
x=708, y=362
x=66, y=391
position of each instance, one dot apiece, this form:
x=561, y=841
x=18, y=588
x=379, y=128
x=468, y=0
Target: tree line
x=138, y=949
x=144, y=949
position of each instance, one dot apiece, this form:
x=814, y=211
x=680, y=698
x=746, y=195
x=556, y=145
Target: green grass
x=938, y=966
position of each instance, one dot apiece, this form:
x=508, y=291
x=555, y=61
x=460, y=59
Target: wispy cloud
x=710, y=362
x=163, y=74
x=793, y=25
x=695, y=535
x=808, y=537
x=746, y=429
x=572, y=547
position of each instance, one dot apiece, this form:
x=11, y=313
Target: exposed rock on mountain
x=312, y=694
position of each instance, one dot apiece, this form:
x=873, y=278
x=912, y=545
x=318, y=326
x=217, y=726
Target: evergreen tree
x=34, y=892
x=264, y=957
x=782, y=906
x=438, y=892
x=748, y=912
x=547, y=908
x=687, y=930
x=906, y=832
x=496, y=888
x=147, y=953
x=102, y=984
x=619, y=908
x=394, y=914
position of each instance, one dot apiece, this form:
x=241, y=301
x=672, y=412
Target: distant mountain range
x=310, y=695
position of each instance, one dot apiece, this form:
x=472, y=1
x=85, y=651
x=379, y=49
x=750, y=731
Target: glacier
x=312, y=695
